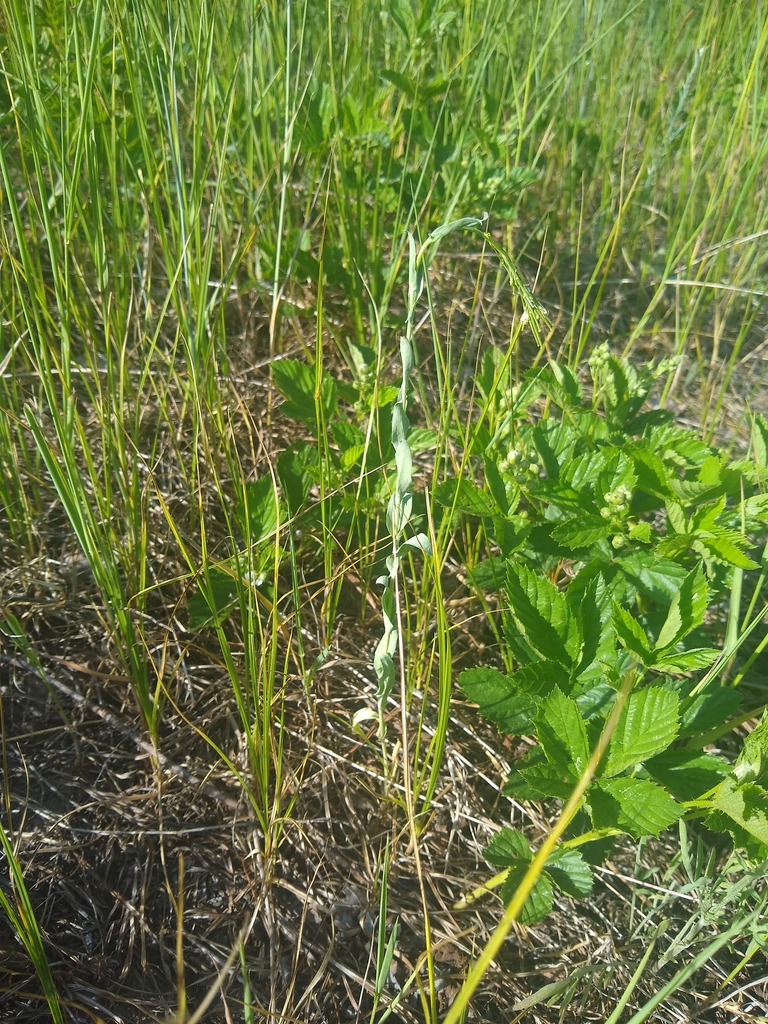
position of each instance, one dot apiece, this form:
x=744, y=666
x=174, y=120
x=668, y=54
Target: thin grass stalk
x=21, y=915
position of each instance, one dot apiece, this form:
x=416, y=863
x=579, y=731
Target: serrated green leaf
x=581, y=532
x=562, y=733
x=489, y=574
x=594, y=619
x=570, y=873
x=659, y=579
x=257, y=511
x=709, y=472
x=707, y=710
x=723, y=548
x=759, y=440
x=746, y=804
x=687, y=661
x=346, y=434
x=466, y=497
x=540, y=901
x=686, y=611
x=641, y=532
x=676, y=517
x=542, y=614
x=296, y=382
x=635, y=806
x=582, y=473
x=216, y=603
x=495, y=485
x=752, y=763
x=652, y=474
x=647, y=725
x=540, y=782
x=351, y=456
x=294, y=471
x=757, y=506
x=631, y=634
x=506, y=848
x=617, y=472
x=687, y=774
x=499, y=699
x=568, y=381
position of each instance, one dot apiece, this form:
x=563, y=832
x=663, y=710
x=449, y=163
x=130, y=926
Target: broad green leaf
x=595, y=625
x=724, y=548
x=542, y=614
x=541, y=437
x=617, y=472
x=466, y=497
x=506, y=848
x=631, y=634
x=707, y=710
x=495, y=485
x=752, y=762
x=352, y=456
x=647, y=725
x=570, y=873
x=257, y=511
x=215, y=601
x=687, y=774
x=651, y=472
x=593, y=698
x=295, y=472
x=582, y=473
x=759, y=440
x=540, y=901
x=541, y=677
x=346, y=434
x=659, y=579
x=641, y=532
x=686, y=611
x=676, y=517
x=746, y=804
x=704, y=518
x=499, y=699
x=568, y=381
x=562, y=733
x=719, y=821
x=635, y=806
x=581, y=532
x=539, y=782
x=489, y=574
x=296, y=382
x=687, y=661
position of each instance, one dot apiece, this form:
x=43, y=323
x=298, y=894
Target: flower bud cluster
x=616, y=502
x=599, y=358
x=518, y=463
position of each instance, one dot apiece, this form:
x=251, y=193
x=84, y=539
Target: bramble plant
x=618, y=533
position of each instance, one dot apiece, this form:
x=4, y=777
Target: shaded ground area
x=103, y=835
